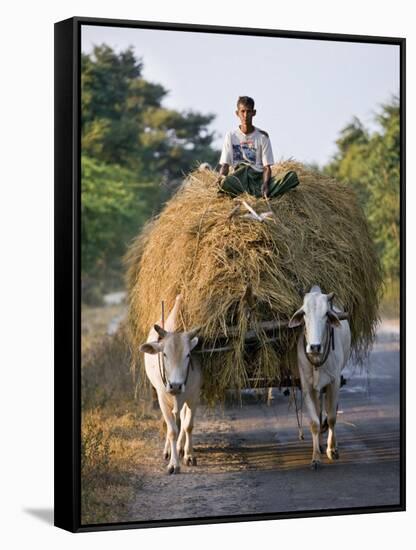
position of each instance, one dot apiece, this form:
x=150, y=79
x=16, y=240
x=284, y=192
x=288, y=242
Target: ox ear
x=330, y=296
x=297, y=319
x=193, y=332
x=150, y=347
x=193, y=338
x=333, y=318
x=161, y=331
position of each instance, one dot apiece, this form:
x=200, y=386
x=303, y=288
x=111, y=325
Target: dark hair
x=246, y=101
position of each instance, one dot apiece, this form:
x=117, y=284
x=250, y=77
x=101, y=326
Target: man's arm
x=267, y=174
x=226, y=156
x=267, y=161
x=224, y=169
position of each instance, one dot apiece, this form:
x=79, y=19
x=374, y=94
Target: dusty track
x=251, y=461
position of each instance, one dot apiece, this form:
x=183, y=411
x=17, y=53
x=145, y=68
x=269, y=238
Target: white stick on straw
x=253, y=212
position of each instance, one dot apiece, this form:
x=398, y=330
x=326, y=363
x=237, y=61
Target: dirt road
x=251, y=461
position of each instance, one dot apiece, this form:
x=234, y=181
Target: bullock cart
x=254, y=341
x=242, y=267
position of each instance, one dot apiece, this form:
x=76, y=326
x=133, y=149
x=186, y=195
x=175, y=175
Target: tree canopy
x=370, y=162
x=125, y=123
x=134, y=153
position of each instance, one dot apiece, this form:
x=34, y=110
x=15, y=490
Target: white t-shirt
x=254, y=149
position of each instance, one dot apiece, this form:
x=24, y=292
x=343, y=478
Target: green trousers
x=246, y=180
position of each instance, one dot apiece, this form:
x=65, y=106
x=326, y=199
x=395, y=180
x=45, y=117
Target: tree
x=384, y=175
x=113, y=205
x=371, y=164
x=124, y=122
x=131, y=144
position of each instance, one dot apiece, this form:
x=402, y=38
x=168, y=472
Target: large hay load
x=235, y=273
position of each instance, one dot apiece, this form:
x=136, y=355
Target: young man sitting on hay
x=248, y=150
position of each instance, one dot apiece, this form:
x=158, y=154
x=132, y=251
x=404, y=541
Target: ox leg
x=322, y=423
x=181, y=439
x=270, y=397
x=311, y=399
x=188, y=458
x=179, y=446
x=331, y=407
x=166, y=450
x=171, y=438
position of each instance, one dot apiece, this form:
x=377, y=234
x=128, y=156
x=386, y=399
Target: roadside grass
x=110, y=461
x=116, y=429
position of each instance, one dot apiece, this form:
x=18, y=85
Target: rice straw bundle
x=233, y=271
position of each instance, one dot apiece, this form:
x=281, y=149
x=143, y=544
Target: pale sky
x=305, y=91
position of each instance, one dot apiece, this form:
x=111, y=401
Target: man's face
x=245, y=114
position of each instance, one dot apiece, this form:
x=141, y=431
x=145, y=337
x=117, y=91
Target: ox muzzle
x=174, y=389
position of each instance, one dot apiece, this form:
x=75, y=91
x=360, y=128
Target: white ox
x=320, y=363
x=176, y=377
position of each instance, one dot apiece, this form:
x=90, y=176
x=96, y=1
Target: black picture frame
x=67, y=270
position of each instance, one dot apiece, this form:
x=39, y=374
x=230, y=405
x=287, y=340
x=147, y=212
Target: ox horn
x=330, y=296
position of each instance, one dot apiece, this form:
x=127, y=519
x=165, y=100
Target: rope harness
x=162, y=368
x=299, y=421
x=329, y=339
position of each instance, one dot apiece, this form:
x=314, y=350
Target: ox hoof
x=315, y=464
x=173, y=469
x=332, y=454
x=190, y=461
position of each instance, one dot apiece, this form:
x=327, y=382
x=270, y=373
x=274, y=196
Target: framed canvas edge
x=67, y=306
x=402, y=218
x=282, y=33
x=67, y=278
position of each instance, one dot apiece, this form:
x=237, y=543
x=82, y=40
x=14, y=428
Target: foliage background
x=370, y=163
x=134, y=154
